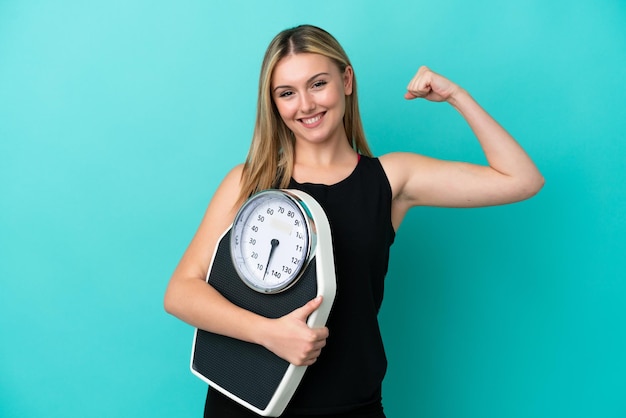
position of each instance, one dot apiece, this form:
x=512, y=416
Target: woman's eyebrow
x=308, y=81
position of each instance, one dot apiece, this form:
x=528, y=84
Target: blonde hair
x=270, y=159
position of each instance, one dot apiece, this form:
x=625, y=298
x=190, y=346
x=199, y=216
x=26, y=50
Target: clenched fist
x=427, y=84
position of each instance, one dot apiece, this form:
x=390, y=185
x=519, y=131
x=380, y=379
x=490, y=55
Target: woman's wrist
x=458, y=97
x=259, y=330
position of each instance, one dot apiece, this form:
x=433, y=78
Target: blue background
x=119, y=118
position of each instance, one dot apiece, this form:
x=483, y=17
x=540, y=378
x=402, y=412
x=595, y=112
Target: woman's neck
x=316, y=163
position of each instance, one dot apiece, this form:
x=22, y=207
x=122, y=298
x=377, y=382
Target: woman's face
x=309, y=91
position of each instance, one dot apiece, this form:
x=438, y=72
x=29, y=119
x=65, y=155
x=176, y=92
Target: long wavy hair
x=271, y=156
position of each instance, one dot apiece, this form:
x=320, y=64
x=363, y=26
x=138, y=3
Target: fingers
x=315, y=339
x=293, y=340
x=302, y=348
x=313, y=349
x=429, y=85
x=311, y=359
x=419, y=86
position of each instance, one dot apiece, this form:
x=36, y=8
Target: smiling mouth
x=313, y=120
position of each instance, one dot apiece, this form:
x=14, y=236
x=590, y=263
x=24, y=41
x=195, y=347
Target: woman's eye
x=319, y=84
x=285, y=94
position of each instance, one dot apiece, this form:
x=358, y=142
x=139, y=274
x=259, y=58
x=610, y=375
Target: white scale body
x=275, y=257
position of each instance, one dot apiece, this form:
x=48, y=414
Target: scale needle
x=274, y=244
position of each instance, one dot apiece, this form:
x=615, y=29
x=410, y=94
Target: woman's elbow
x=169, y=301
x=531, y=186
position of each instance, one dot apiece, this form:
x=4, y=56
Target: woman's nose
x=307, y=103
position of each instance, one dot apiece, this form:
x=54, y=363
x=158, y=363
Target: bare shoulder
x=223, y=206
x=400, y=167
x=217, y=218
x=224, y=201
x=231, y=182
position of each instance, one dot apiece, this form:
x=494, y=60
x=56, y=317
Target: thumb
x=409, y=96
x=306, y=310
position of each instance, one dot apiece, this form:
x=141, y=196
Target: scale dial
x=272, y=240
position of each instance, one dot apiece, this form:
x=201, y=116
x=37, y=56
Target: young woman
x=308, y=136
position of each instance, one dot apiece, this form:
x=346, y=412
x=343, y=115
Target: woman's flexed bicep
x=417, y=180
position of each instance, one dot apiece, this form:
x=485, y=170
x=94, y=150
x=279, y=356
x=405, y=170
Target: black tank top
x=350, y=369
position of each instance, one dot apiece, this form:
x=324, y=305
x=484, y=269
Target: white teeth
x=312, y=120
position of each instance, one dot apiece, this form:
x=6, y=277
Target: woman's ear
x=348, y=76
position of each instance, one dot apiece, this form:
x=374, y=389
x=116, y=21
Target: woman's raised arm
x=509, y=176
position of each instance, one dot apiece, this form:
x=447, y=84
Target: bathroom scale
x=275, y=257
